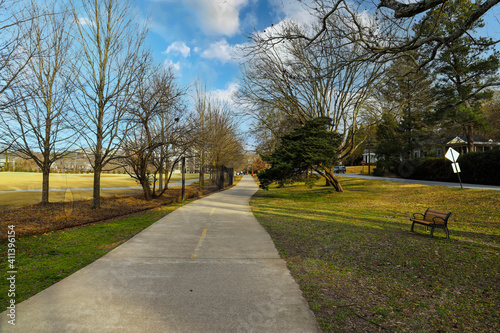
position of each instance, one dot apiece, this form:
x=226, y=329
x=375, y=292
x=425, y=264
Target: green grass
x=43, y=260
x=10, y=181
x=14, y=181
x=361, y=269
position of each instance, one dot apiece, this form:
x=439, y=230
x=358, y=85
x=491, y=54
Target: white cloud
x=218, y=17
x=297, y=11
x=85, y=21
x=176, y=66
x=220, y=50
x=227, y=95
x=178, y=47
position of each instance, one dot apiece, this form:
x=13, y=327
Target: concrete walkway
x=209, y=266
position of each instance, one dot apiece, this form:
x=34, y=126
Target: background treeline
x=77, y=78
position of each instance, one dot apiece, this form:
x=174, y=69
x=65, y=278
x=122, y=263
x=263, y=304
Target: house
x=459, y=143
x=369, y=156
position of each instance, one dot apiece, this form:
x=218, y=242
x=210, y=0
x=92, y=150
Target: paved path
x=423, y=182
x=209, y=266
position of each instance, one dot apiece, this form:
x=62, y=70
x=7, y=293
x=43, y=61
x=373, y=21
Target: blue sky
x=197, y=37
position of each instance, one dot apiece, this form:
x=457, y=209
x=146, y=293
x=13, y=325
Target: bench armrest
x=416, y=217
x=436, y=219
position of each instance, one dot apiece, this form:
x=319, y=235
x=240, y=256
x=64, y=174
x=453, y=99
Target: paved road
x=423, y=182
x=209, y=266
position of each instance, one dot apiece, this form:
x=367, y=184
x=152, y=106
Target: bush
x=430, y=168
x=480, y=167
x=476, y=168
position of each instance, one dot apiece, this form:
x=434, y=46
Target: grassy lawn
x=16, y=181
x=42, y=260
x=362, y=270
x=10, y=181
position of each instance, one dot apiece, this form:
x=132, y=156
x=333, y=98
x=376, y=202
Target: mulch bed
x=39, y=219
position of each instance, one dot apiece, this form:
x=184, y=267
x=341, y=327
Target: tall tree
x=215, y=134
x=465, y=69
x=15, y=17
x=305, y=82
x=152, y=115
x=37, y=122
x=112, y=58
x=409, y=89
x=492, y=113
x=385, y=27
x=200, y=129
x=269, y=126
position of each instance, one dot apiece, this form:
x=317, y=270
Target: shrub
x=430, y=168
x=480, y=167
x=476, y=168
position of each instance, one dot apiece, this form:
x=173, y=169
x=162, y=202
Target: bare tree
x=112, y=57
x=216, y=141
x=13, y=18
x=200, y=130
x=154, y=116
x=387, y=26
x=269, y=126
x=37, y=123
x=224, y=144
x=305, y=82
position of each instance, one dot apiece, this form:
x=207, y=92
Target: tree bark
x=96, y=195
x=45, y=186
x=146, y=189
x=469, y=134
x=331, y=179
x=201, y=179
x=45, y=166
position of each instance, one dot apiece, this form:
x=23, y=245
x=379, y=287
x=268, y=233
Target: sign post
x=452, y=155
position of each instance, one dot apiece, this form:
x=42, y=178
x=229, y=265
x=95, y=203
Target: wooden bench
x=432, y=218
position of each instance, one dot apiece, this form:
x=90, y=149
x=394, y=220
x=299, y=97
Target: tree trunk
x=469, y=134
x=160, y=180
x=331, y=179
x=146, y=188
x=201, y=179
x=96, y=195
x=334, y=181
x=45, y=185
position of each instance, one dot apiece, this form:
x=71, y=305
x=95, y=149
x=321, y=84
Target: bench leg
x=432, y=231
x=412, y=225
x=447, y=233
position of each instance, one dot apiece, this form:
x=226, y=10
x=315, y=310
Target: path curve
x=208, y=266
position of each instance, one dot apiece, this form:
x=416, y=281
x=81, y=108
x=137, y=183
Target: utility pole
x=183, y=178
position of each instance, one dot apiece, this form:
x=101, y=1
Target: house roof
x=462, y=139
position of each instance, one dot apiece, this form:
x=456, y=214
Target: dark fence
x=223, y=176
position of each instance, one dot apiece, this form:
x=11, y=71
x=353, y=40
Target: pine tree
x=465, y=70
x=311, y=146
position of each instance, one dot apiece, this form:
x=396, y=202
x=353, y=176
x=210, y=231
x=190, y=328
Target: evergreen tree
x=311, y=146
x=466, y=67
x=410, y=90
x=390, y=148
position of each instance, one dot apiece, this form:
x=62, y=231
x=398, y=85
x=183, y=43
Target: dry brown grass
x=37, y=219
